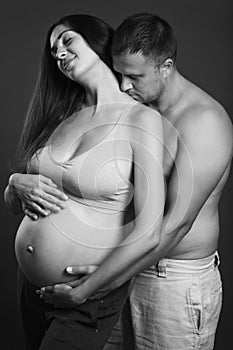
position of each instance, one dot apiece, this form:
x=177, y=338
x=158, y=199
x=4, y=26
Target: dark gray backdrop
x=205, y=55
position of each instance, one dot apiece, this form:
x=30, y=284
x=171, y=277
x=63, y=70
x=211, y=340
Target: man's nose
x=61, y=54
x=125, y=84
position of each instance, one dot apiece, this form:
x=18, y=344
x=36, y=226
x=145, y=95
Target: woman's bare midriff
x=77, y=235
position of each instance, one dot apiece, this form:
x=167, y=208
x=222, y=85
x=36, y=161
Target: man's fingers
x=77, y=282
x=47, y=289
x=81, y=269
x=63, y=287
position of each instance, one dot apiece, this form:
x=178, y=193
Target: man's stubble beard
x=155, y=99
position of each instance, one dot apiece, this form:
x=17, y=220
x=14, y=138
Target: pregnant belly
x=44, y=248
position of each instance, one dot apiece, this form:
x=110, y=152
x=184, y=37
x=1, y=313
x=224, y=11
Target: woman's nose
x=61, y=54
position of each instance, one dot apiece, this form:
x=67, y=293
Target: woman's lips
x=67, y=65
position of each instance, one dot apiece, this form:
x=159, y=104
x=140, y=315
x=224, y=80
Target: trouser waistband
x=186, y=266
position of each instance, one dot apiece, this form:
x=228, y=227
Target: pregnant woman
x=90, y=182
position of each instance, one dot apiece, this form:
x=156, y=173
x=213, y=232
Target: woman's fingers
x=51, y=202
x=40, y=194
x=50, y=207
x=48, y=198
x=47, y=181
x=30, y=214
x=42, y=206
x=50, y=194
x=37, y=209
x=55, y=192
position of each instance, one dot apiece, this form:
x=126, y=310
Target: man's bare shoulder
x=203, y=116
x=207, y=134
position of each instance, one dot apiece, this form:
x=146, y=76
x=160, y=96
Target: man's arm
x=203, y=156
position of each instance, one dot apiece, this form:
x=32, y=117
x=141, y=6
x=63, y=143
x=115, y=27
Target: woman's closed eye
x=67, y=41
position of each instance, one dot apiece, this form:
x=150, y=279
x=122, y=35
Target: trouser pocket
x=195, y=305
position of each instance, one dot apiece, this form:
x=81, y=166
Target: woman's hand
x=38, y=194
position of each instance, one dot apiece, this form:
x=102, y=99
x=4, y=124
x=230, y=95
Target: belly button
x=30, y=249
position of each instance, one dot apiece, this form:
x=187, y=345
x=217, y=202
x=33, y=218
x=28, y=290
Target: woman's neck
x=101, y=86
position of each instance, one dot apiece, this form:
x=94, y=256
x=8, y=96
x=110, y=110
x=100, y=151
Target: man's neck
x=172, y=94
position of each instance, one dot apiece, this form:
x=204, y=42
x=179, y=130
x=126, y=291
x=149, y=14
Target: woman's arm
x=34, y=195
x=11, y=200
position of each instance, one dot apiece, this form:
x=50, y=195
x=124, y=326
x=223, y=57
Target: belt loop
x=216, y=260
x=162, y=268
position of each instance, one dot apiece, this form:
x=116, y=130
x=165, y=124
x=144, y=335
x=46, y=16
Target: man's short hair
x=148, y=34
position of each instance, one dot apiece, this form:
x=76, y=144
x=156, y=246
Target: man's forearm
x=120, y=260
x=167, y=243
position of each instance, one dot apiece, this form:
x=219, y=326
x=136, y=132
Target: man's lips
x=132, y=94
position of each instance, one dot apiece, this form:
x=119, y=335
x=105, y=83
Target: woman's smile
x=68, y=64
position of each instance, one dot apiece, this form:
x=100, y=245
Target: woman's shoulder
x=144, y=117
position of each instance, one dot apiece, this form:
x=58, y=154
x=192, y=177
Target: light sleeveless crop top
x=100, y=177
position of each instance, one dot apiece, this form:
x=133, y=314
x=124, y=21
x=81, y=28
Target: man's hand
x=62, y=296
x=38, y=194
x=85, y=271
x=80, y=270
x=69, y=295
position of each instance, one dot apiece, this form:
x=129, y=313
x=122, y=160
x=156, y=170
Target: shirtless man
x=175, y=304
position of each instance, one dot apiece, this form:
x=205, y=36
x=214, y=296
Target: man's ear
x=166, y=67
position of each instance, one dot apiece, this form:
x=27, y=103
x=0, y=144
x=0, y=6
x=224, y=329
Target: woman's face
x=73, y=55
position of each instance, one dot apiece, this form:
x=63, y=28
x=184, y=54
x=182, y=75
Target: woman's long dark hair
x=56, y=97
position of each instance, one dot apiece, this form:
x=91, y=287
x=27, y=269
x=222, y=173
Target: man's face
x=140, y=77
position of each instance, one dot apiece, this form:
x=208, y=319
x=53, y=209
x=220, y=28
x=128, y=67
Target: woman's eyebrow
x=64, y=31
x=59, y=37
